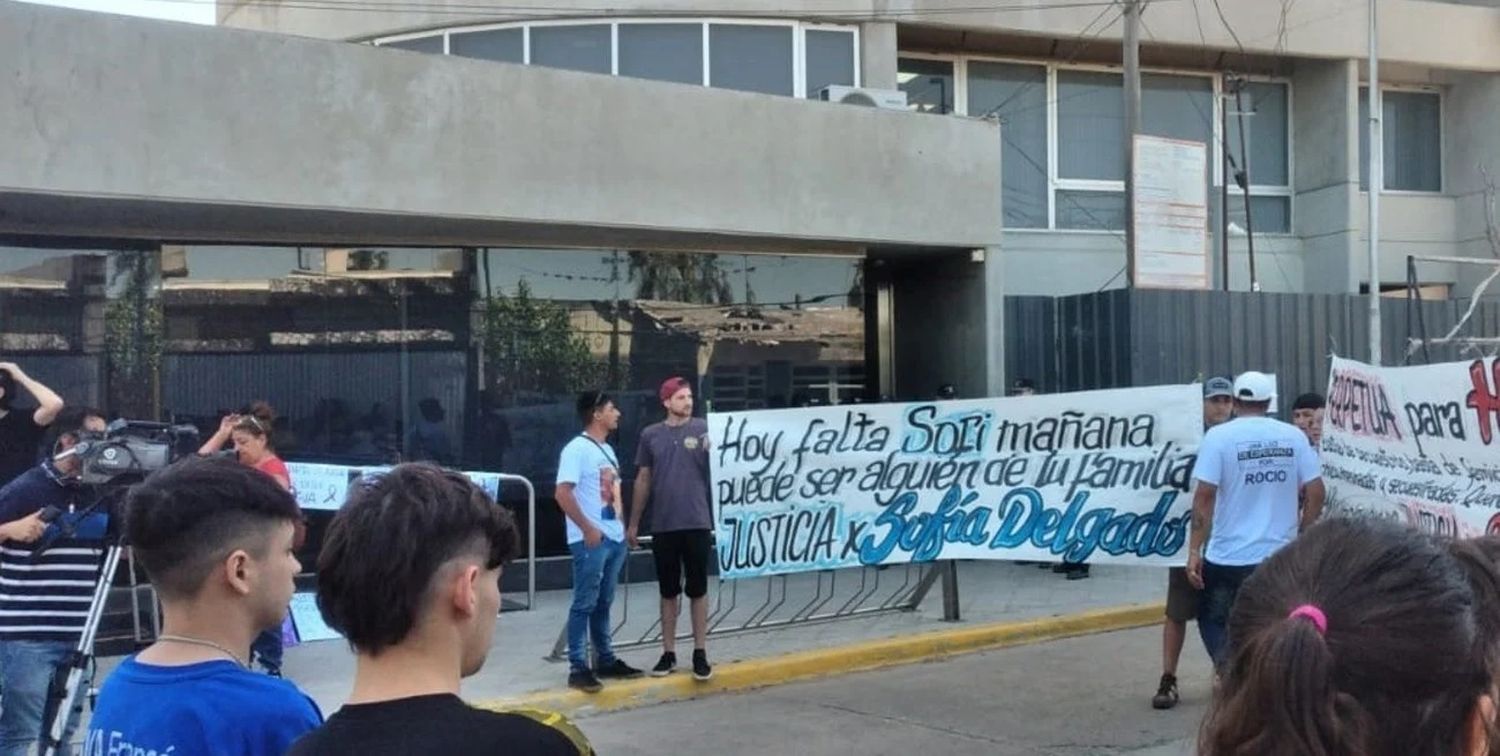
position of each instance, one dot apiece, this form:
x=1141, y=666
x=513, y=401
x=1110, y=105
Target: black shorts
x=682, y=554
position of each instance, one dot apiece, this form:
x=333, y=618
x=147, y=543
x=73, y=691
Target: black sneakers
x=618, y=670
x=702, y=672
x=1166, y=694
x=665, y=666
x=585, y=681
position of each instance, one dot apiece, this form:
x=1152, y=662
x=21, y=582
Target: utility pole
x=1377, y=183
x=1132, y=18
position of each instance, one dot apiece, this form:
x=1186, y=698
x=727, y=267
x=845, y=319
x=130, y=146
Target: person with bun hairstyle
x=1361, y=638
x=250, y=432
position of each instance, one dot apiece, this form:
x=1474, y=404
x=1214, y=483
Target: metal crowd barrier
x=530, y=534
x=861, y=596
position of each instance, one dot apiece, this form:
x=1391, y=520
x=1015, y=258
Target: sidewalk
x=990, y=592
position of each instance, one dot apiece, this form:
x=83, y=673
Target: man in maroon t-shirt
x=672, y=475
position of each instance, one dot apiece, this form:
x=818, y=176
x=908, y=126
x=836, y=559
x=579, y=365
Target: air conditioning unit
x=869, y=98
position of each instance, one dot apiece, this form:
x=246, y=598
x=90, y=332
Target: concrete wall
x=1417, y=31
x=1473, y=140
x=187, y=122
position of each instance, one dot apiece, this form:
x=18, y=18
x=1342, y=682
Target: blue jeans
x=596, y=572
x=26, y=669
x=1221, y=586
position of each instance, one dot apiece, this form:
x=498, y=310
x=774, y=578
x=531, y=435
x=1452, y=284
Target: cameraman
x=43, y=602
x=21, y=432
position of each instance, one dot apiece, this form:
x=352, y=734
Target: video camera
x=129, y=450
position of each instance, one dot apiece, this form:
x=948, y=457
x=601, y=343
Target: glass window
x=928, y=84
x=830, y=59
x=577, y=48
x=1094, y=211
x=1017, y=94
x=432, y=45
x=1090, y=127
x=1177, y=107
x=503, y=45
x=1271, y=214
x=1412, y=132
x=751, y=58
x=665, y=52
x=1265, y=108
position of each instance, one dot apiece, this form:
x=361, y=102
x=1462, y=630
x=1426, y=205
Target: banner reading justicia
x=1419, y=445
x=1097, y=476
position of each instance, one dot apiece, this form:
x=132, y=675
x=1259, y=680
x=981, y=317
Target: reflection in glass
x=471, y=358
x=928, y=84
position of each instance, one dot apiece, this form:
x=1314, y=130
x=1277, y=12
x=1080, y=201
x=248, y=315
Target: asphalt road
x=1088, y=695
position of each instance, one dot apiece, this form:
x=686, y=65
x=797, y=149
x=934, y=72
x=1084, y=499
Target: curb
x=856, y=657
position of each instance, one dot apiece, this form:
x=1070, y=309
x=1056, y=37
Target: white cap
x=1254, y=387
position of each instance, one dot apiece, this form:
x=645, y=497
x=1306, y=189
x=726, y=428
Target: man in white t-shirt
x=588, y=491
x=1249, y=472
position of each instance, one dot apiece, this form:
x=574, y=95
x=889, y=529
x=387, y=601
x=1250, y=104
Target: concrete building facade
x=1048, y=70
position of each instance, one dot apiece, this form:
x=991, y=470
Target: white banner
x=1098, y=476
x=1419, y=445
x=325, y=487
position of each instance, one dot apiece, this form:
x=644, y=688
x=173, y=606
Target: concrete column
x=1326, y=166
x=877, y=54
x=994, y=322
x=1471, y=111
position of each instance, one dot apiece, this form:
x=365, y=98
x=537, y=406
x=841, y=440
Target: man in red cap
x=672, y=476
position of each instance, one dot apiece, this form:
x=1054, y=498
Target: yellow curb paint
x=805, y=665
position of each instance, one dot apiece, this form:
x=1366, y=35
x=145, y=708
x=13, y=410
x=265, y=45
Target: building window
x=1063, y=155
x=830, y=59
x=1412, y=130
x=774, y=57
x=431, y=45
x=577, y=48
x=1264, y=109
x=500, y=45
x=750, y=58
x=1017, y=95
x=928, y=84
x=664, y=52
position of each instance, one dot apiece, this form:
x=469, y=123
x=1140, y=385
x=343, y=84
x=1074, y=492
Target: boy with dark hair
x=431, y=544
x=216, y=540
x=588, y=492
x=1307, y=415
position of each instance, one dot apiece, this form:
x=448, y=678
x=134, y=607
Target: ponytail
x=1280, y=698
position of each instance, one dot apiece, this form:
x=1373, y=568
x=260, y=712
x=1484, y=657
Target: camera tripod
x=65, y=694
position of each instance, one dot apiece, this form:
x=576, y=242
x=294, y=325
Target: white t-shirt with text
x=1259, y=465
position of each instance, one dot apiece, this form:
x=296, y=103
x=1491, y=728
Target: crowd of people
x=1326, y=636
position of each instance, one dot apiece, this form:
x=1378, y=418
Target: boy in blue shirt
x=216, y=539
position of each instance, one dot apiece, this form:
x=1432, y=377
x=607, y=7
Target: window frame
x=1056, y=183
x=799, y=39
x=1363, y=127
